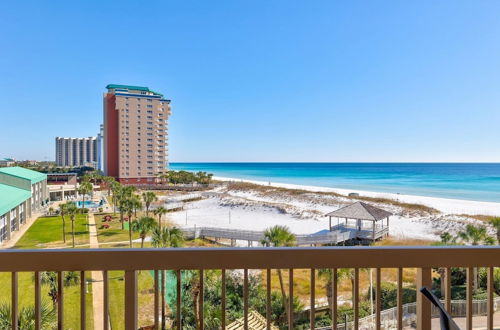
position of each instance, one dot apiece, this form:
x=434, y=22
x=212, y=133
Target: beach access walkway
x=338, y=235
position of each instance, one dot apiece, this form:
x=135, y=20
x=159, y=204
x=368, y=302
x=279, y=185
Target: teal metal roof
x=135, y=88
x=11, y=197
x=24, y=173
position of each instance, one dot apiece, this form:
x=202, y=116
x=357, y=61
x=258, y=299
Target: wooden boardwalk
x=337, y=236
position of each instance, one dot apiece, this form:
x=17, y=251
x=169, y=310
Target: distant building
x=22, y=192
x=7, y=162
x=76, y=151
x=100, y=149
x=135, y=133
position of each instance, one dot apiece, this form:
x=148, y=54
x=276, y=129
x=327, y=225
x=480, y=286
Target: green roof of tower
x=24, y=173
x=135, y=88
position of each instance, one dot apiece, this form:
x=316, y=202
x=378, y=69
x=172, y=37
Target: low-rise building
x=22, y=192
x=7, y=162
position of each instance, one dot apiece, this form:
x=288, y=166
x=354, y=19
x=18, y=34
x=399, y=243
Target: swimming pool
x=87, y=204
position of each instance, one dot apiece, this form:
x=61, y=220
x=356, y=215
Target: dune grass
x=407, y=207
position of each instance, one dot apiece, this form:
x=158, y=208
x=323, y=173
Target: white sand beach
x=445, y=205
x=259, y=207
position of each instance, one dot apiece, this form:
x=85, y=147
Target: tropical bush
x=185, y=177
x=26, y=317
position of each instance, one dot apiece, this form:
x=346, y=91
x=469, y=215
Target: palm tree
x=108, y=180
x=127, y=206
x=72, y=210
x=166, y=238
x=148, y=197
x=475, y=236
x=143, y=226
x=122, y=198
x=115, y=188
x=84, y=188
x=26, y=317
x=51, y=210
x=62, y=212
x=92, y=177
x=159, y=212
x=277, y=236
x=136, y=204
x=495, y=222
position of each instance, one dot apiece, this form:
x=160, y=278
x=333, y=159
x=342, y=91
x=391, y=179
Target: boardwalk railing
x=389, y=316
x=257, y=236
x=267, y=259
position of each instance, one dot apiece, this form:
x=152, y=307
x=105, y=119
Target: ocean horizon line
x=330, y=162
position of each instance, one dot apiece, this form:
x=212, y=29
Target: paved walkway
x=97, y=280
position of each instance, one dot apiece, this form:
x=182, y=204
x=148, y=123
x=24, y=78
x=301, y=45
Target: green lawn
x=114, y=233
x=46, y=232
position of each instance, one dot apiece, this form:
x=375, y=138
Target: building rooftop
x=11, y=196
x=135, y=88
x=24, y=173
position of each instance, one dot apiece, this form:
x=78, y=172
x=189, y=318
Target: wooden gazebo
x=360, y=212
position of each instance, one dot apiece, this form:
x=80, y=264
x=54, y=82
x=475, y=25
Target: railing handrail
x=249, y=258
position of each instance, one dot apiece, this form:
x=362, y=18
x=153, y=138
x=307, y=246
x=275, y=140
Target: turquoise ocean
x=469, y=181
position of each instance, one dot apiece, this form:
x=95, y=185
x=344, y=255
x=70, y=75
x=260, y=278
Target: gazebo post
x=330, y=221
x=387, y=226
x=373, y=222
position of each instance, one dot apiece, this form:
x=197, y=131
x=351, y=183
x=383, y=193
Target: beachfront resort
x=250, y=165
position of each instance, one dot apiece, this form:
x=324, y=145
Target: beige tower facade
x=135, y=146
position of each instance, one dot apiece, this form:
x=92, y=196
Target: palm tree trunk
x=64, y=230
x=283, y=294
x=121, y=220
x=329, y=298
x=73, y=231
x=142, y=242
x=130, y=232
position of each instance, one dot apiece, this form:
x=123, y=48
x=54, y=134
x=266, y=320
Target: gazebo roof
x=360, y=211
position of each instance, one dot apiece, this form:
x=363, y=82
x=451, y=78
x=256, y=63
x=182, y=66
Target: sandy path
x=97, y=280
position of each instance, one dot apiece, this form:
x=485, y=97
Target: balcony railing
x=201, y=259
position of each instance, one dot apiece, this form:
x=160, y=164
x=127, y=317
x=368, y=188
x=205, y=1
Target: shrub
x=389, y=294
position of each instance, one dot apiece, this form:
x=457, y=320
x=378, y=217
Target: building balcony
x=378, y=259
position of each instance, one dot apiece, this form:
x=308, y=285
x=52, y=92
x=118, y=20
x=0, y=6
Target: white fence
x=389, y=316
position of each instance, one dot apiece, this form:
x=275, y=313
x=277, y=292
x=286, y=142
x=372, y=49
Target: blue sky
x=261, y=80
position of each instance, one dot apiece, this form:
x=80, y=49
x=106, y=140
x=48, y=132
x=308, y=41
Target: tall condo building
x=76, y=151
x=135, y=133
